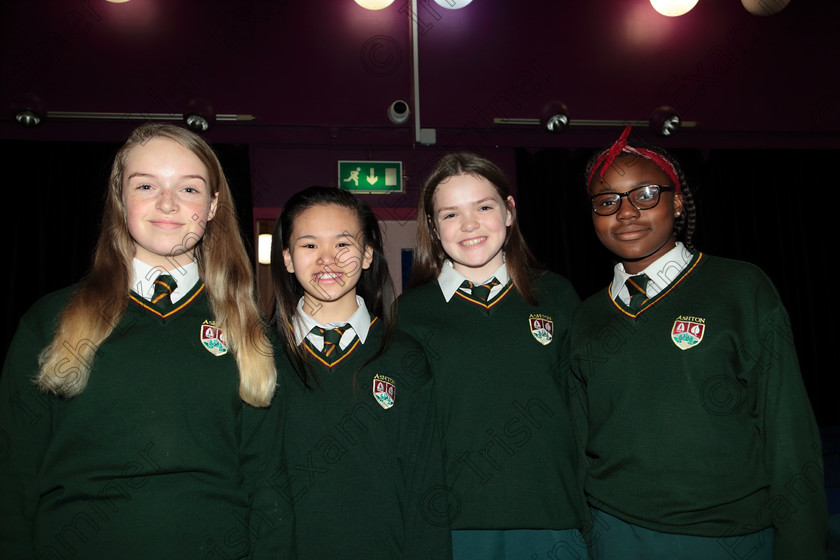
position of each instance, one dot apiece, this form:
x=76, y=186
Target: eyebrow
x=476, y=203
x=139, y=174
x=342, y=235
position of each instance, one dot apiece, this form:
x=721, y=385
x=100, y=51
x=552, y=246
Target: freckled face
x=636, y=237
x=472, y=220
x=167, y=195
x=327, y=257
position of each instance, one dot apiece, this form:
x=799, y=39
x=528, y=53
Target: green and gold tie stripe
x=480, y=291
x=164, y=286
x=331, y=339
x=637, y=285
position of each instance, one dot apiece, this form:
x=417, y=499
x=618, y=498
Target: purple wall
x=331, y=64
x=319, y=75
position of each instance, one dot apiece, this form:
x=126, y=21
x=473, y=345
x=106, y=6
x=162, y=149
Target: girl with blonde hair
x=123, y=395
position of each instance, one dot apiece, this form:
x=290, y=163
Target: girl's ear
x=367, y=258
x=432, y=228
x=678, y=204
x=287, y=259
x=214, y=202
x=511, y=211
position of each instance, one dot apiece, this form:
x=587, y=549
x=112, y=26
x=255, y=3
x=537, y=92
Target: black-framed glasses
x=642, y=198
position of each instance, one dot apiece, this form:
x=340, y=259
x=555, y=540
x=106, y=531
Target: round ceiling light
x=764, y=7
x=453, y=4
x=374, y=4
x=673, y=8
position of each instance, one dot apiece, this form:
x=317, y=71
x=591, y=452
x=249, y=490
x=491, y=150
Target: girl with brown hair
x=495, y=331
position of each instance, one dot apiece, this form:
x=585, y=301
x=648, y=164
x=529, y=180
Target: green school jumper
x=361, y=463
x=698, y=420
x=502, y=400
x=145, y=462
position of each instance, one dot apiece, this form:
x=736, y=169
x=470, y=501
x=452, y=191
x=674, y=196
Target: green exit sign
x=370, y=176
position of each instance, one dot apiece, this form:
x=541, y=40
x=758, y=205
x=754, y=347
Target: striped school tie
x=164, y=286
x=331, y=339
x=481, y=291
x=636, y=285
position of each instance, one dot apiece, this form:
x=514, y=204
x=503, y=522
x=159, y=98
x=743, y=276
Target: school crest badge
x=213, y=338
x=688, y=332
x=384, y=391
x=542, y=327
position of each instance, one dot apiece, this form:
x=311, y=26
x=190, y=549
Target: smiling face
x=636, y=237
x=168, y=200
x=326, y=254
x=471, y=220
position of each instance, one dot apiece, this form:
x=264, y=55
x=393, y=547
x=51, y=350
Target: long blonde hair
x=102, y=298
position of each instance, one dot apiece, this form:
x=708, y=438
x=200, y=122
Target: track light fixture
x=28, y=118
x=665, y=121
x=196, y=122
x=198, y=115
x=554, y=117
x=557, y=123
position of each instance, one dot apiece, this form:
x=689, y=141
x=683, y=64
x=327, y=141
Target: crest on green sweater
x=687, y=332
x=384, y=391
x=542, y=327
x=213, y=339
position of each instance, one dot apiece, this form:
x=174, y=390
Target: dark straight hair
x=374, y=284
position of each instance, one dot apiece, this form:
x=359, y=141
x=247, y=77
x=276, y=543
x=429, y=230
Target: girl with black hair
x=360, y=444
x=701, y=441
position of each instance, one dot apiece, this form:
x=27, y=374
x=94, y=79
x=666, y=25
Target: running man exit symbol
x=370, y=176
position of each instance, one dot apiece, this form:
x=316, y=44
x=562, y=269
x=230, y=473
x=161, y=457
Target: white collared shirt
x=359, y=322
x=145, y=275
x=450, y=280
x=660, y=273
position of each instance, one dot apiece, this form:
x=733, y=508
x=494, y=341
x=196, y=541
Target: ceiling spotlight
x=665, y=121
x=764, y=7
x=554, y=117
x=374, y=4
x=557, y=123
x=673, y=8
x=453, y=4
x=196, y=122
x=199, y=115
x=28, y=118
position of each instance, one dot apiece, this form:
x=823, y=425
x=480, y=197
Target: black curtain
x=53, y=206
x=769, y=207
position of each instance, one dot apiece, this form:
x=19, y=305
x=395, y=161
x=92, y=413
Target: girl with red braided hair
x=701, y=443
